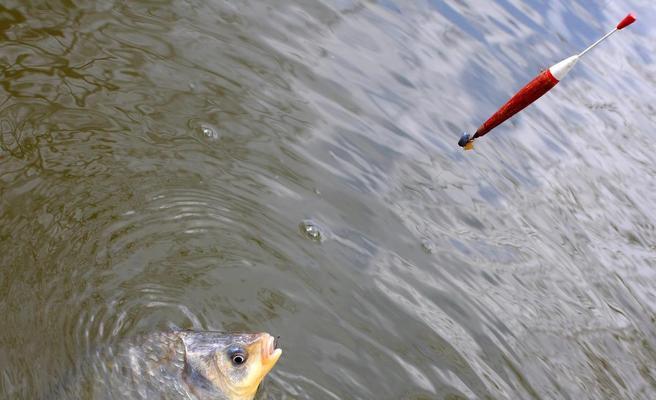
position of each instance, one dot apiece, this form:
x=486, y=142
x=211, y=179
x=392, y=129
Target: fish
x=198, y=365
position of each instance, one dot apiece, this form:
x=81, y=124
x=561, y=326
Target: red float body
x=527, y=95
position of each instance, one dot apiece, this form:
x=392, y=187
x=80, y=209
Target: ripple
x=156, y=159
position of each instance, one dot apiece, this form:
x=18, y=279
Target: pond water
x=292, y=167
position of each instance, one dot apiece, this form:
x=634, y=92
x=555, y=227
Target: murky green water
x=292, y=167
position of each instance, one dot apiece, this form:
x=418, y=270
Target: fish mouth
x=270, y=350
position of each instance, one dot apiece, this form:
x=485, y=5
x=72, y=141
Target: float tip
x=464, y=139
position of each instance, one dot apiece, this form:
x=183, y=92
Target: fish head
x=231, y=365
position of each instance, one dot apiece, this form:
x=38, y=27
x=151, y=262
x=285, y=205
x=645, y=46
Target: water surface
x=292, y=167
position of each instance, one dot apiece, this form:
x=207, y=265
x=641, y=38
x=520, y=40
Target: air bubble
x=311, y=230
x=209, y=132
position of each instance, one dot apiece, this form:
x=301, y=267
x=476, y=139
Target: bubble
x=311, y=230
x=428, y=246
x=209, y=132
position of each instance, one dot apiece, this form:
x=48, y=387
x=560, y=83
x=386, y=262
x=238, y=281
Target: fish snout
x=270, y=352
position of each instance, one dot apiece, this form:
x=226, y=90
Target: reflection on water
x=292, y=167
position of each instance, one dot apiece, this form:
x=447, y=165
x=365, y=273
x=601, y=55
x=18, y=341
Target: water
x=292, y=167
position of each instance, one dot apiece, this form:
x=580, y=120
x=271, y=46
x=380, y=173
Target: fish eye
x=238, y=357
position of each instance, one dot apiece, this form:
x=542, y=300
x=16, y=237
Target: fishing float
x=535, y=89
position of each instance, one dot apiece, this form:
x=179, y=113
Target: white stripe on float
x=561, y=69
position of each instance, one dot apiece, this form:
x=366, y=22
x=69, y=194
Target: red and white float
x=535, y=89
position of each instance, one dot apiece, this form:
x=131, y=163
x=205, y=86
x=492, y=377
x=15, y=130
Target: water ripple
x=156, y=160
